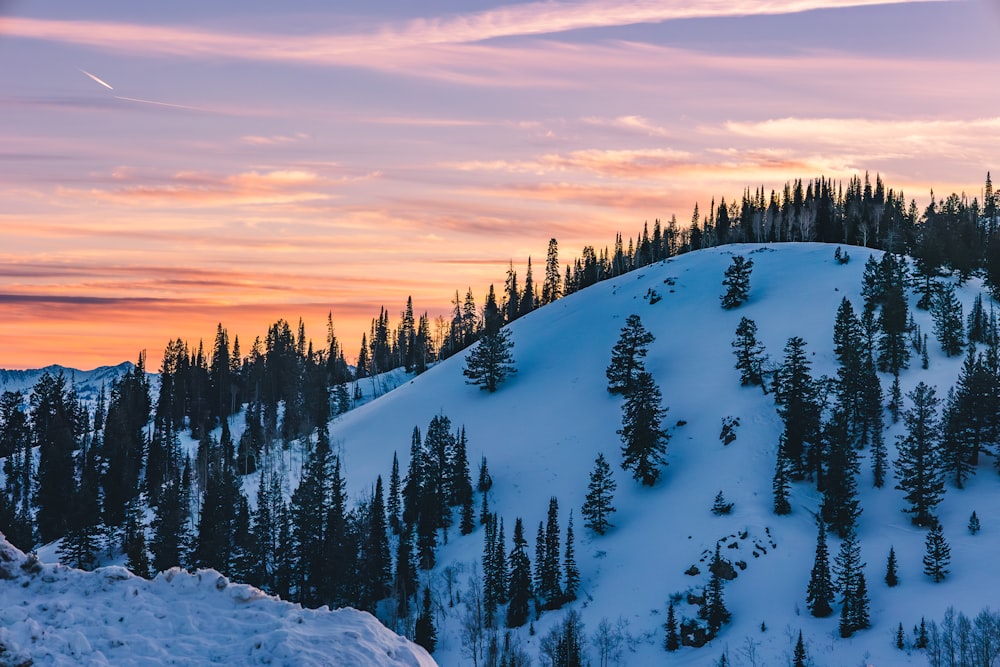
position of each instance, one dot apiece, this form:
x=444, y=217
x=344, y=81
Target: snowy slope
x=53, y=615
x=543, y=429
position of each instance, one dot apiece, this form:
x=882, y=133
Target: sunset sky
x=168, y=166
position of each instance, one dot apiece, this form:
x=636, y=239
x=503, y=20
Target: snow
x=545, y=426
x=54, y=615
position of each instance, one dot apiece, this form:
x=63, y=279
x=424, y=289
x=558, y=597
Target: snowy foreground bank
x=54, y=615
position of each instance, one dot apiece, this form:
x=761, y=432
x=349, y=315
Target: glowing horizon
x=166, y=172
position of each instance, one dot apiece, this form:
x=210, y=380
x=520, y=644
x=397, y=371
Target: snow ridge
x=54, y=615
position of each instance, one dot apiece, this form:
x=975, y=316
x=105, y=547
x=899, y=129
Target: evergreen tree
x=840, y=508
x=485, y=481
x=519, y=584
x=714, y=611
x=394, y=502
x=425, y=633
x=948, y=320
x=977, y=323
x=673, y=639
x=572, y=573
x=490, y=362
x=973, y=523
x=780, y=483
x=528, y=296
x=970, y=417
x=551, y=589
x=893, y=351
x=918, y=467
x=552, y=287
x=404, y=578
x=737, y=282
x=749, y=353
x=644, y=442
x=171, y=532
x=850, y=580
x=720, y=506
x=309, y=506
x=797, y=397
x=374, y=561
x=799, y=656
x=53, y=432
x=340, y=543
x=820, y=592
x=891, y=576
x=600, y=492
x=627, y=355
x=900, y=642
x=937, y=554
x=540, y=574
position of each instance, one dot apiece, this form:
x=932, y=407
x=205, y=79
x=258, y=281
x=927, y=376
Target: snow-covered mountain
x=54, y=615
x=87, y=383
x=542, y=430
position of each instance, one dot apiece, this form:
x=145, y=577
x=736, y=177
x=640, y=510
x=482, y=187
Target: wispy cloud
x=636, y=124
x=526, y=19
x=274, y=140
x=200, y=189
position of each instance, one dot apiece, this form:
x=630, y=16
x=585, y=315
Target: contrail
x=103, y=83
x=161, y=104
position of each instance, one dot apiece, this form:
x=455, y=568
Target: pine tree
x=715, y=612
x=749, y=353
x=891, y=576
x=797, y=397
x=799, y=656
x=551, y=589
x=627, y=355
x=572, y=573
x=970, y=417
x=485, y=481
x=490, y=362
x=849, y=573
x=644, y=442
x=840, y=508
x=900, y=638
x=820, y=592
x=780, y=483
x=977, y=323
x=600, y=492
x=736, y=282
x=673, y=639
x=519, y=584
x=921, y=638
x=374, y=561
x=973, y=523
x=720, y=506
x=404, y=579
x=424, y=632
x=918, y=467
x=937, y=554
x=394, y=503
x=948, y=320
x=552, y=286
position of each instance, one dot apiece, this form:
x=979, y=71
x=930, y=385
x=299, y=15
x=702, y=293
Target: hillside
x=544, y=427
x=53, y=615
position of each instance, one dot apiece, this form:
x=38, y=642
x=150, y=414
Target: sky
x=165, y=167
